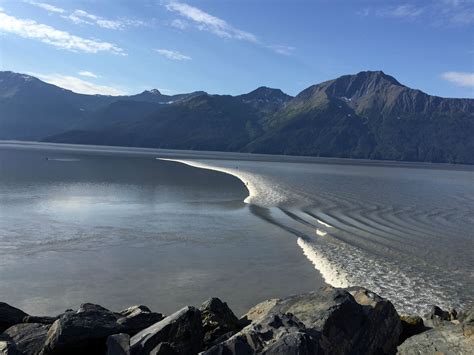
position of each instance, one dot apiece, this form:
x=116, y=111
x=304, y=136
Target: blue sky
x=235, y=46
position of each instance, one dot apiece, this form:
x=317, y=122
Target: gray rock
x=411, y=325
x=7, y=346
x=82, y=332
x=272, y=334
x=217, y=320
x=29, y=338
x=182, y=330
x=137, y=318
x=41, y=320
x=357, y=321
x=10, y=315
x=466, y=318
x=437, y=316
x=446, y=339
x=163, y=349
x=118, y=344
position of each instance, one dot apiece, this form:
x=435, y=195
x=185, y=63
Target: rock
x=272, y=334
x=358, y=321
x=411, y=325
x=136, y=318
x=438, y=316
x=10, y=316
x=41, y=320
x=29, y=338
x=447, y=338
x=182, y=330
x=164, y=349
x=217, y=320
x=118, y=344
x=82, y=332
x=259, y=311
x=466, y=319
x=7, y=346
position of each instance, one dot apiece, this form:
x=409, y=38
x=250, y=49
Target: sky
x=232, y=47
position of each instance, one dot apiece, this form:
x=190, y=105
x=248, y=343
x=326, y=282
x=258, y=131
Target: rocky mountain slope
x=367, y=115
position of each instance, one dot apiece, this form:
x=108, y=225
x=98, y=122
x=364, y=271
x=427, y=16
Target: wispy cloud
x=47, y=7
x=88, y=74
x=207, y=22
x=174, y=55
x=438, y=13
x=180, y=24
x=284, y=50
x=84, y=17
x=459, y=78
x=79, y=85
x=61, y=39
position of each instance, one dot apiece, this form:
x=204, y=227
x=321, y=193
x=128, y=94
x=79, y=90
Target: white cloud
x=83, y=17
x=47, y=34
x=407, y=11
x=207, y=22
x=88, y=74
x=459, y=78
x=79, y=85
x=280, y=49
x=179, y=24
x=47, y=7
x=174, y=55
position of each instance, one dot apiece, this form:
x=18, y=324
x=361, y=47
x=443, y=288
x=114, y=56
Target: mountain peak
x=151, y=92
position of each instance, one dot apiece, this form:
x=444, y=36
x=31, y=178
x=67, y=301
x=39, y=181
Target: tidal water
x=119, y=226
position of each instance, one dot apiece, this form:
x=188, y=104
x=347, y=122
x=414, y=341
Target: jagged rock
x=136, y=318
x=118, y=344
x=10, y=316
x=466, y=318
x=7, y=346
x=82, y=332
x=29, y=338
x=411, y=325
x=447, y=338
x=365, y=323
x=259, y=311
x=437, y=316
x=272, y=334
x=217, y=320
x=164, y=349
x=40, y=320
x=182, y=330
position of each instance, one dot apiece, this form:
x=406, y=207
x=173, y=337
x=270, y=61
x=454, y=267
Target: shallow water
x=123, y=228
x=120, y=226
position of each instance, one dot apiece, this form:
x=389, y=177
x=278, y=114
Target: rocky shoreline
x=328, y=321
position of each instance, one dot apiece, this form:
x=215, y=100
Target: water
x=118, y=226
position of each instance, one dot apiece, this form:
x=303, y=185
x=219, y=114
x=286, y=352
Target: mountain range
x=367, y=115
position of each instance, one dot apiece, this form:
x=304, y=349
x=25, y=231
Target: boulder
x=349, y=321
x=7, y=346
x=82, y=332
x=40, y=320
x=447, y=338
x=182, y=330
x=466, y=319
x=437, y=316
x=10, y=315
x=411, y=325
x=272, y=334
x=136, y=318
x=164, y=349
x=118, y=344
x=29, y=338
x=217, y=320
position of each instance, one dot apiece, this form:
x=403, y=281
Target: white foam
x=324, y=223
x=261, y=192
x=330, y=274
x=321, y=233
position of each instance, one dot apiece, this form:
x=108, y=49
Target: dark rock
x=447, y=338
x=164, y=349
x=7, y=346
x=40, y=320
x=82, y=332
x=272, y=334
x=29, y=338
x=118, y=344
x=136, y=318
x=182, y=330
x=466, y=318
x=217, y=320
x=437, y=316
x=10, y=316
x=358, y=321
x=411, y=325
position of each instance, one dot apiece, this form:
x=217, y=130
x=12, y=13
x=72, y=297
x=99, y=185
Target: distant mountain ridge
x=367, y=115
